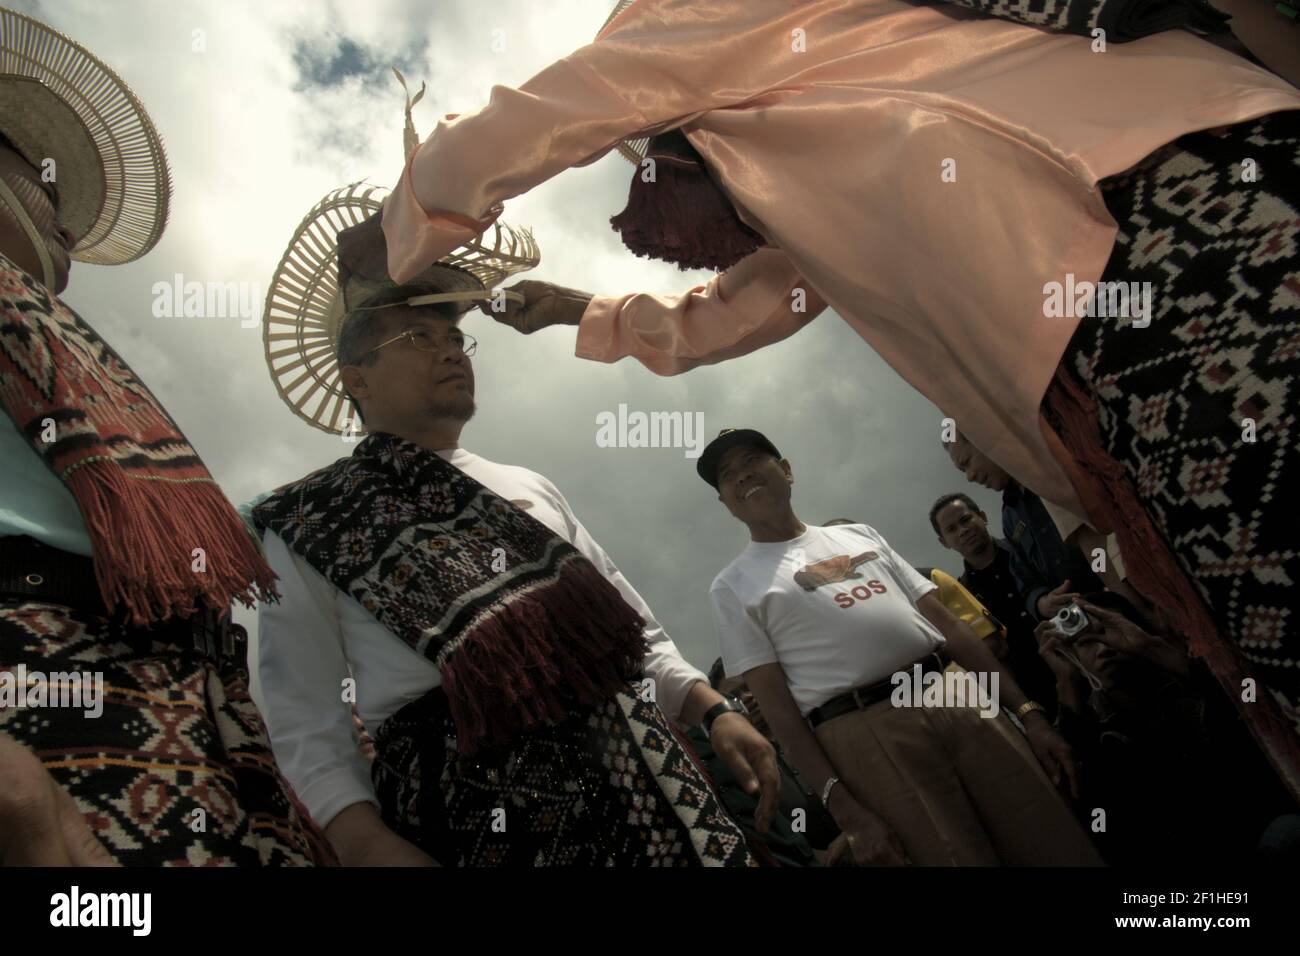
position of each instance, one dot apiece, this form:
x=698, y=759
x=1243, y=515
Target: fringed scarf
x=146, y=498
x=522, y=627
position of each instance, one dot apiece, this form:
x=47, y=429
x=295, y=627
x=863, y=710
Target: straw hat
x=58, y=101
x=312, y=291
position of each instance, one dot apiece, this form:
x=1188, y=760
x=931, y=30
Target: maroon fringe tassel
x=683, y=217
x=526, y=662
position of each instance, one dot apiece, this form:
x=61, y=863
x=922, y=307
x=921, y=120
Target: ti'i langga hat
x=60, y=102
x=312, y=292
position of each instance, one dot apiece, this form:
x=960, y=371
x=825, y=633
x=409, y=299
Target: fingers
x=1049, y=761
x=865, y=852
x=838, y=851
x=30, y=834
x=888, y=853
x=735, y=754
x=40, y=823
x=1100, y=613
x=745, y=775
x=518, y=315
x=1050, y=644
x=769, y=778
x=1053, y=769
x=900, y=854
x=84, y=848
x=1071, y=773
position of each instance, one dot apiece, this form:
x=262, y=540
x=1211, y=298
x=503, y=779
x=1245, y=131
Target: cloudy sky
x=266, y=107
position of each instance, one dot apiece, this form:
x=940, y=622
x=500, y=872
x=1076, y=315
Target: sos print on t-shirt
x=861, y=592
x=836, y=570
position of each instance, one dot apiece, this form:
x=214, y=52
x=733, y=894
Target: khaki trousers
x=958, y=789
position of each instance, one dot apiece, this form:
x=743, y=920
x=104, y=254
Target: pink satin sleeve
x=454, y=184
x=754, y=303
x=416, y=238
x=652, y=70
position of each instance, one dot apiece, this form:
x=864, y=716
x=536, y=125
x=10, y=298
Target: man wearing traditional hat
x=945, y=182
x=516, y=685
x=119, y=555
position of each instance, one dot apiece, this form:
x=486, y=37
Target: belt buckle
x=216, y=636
x=202, y=631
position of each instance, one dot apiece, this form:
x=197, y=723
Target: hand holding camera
x=1115, y=630
x=1070, y=620
x=1053, y=601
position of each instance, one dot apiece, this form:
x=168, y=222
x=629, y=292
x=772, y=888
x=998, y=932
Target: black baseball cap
x=728, y=439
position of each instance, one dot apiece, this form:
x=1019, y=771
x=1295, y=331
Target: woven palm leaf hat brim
x=59, y=101
x=305, y=306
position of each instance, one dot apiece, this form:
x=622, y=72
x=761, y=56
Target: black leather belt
x=33, y=571
x=860, y=698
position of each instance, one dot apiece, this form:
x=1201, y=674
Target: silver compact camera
x=1070, y=620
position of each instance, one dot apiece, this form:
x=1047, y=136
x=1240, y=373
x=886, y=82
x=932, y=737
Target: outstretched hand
x=544, y=304
x=1115, y=630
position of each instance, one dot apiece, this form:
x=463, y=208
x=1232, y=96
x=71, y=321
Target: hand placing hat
x=544, y=304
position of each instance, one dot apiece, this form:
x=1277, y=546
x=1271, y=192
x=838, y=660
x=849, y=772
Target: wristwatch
x=1030, y=705
x=728, y=706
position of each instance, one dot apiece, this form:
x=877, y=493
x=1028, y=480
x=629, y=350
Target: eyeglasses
x=427, y=341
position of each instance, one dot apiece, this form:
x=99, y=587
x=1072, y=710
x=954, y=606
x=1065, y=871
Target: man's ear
x=944, y=543
x=354, y=381
x=789, y=472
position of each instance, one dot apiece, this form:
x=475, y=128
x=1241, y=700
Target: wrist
x=718, y=711
x=723, y=720
x=575, y=305
x=841, y=805
x=1031, y=713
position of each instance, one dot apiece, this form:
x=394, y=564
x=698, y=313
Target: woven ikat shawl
x=522, y=627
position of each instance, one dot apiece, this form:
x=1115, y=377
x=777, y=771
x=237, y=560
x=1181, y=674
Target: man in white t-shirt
x=833, y=632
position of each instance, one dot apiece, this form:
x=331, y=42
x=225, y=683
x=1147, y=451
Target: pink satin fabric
x=835, y=154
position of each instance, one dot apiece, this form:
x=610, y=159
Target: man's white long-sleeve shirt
x=317, y=636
